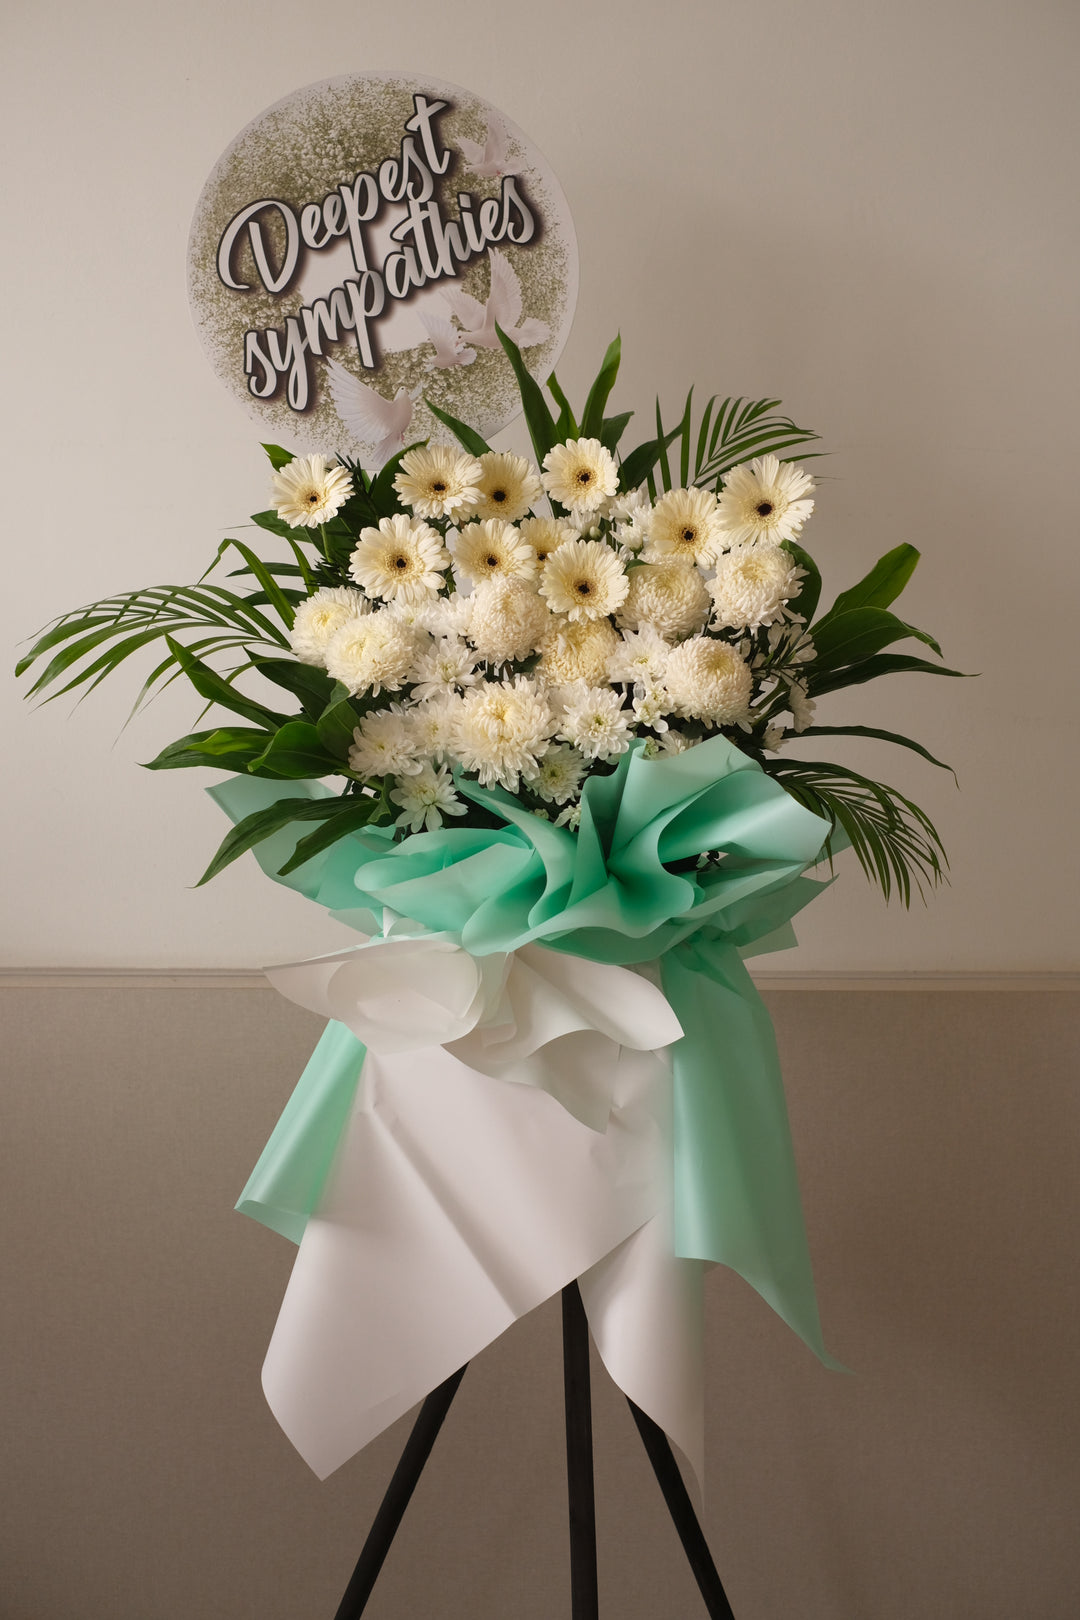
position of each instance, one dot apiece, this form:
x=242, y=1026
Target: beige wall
x=867, y=209
x=145, y=1479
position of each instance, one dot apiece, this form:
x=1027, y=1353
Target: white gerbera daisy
x=509, y=620
x=641, y=656
x=708, y=680
x=595, y=721
x=753, y=585
x=371, y=652
x=685, y=523
x=578, y=651
x=508, y=486
x=402, y=559
x=558, y=776
x=584, y=579
x=546, y=534
x=308, y=491
x=425, y=798
x=671, y=596
x=319, y=618
x=384, y=745
x=492, y=550
x=764, y=500
x=501, y=730
x=438, y=481
x=581, y=474
x=443, y=666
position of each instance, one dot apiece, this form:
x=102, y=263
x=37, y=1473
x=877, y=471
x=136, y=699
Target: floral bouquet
x=535, y=714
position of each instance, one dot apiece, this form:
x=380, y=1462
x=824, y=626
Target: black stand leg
x=683, y=1516
x=390, y=1514
x=584, y=1595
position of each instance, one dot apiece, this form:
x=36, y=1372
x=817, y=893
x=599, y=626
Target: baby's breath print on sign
x=466, y=622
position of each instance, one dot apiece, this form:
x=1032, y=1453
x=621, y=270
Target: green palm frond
x=895, y=843
x=731, y=431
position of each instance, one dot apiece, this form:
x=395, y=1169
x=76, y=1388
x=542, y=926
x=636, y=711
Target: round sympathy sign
x=356, y=247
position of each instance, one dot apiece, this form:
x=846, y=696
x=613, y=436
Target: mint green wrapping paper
x=608, y=893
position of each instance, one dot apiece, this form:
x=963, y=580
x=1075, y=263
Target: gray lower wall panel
x=144, y=1478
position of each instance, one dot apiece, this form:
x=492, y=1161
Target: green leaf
x=278, y=457
x=872, y=731
x=870, y=669
x=600, y=392
x=540, y=421
x=636, y=467
x=296, y=750
x=856, y=634
x=216, y=689
x=612, y=430
x=465, y=435
x=254, y=828
x=230, y=748
x=357, y=813
x=384, y=497
x=566, y=427
x=272, y=523
x=882, y=585
x=336, y=724
x=810, y=593
x=276, y=596
x=313, y=686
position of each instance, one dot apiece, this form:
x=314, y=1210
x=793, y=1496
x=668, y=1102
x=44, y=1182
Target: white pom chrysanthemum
x=584, y=579
x=319, y=618
x=764, y=500
x=709, y=680
x=641, y=656
x=671, y=596
x=595, y=721
x=442, y=667
x=502, y=730
x=492, y=550
x=577, y=651
x=581, y=474
x=546, y=535
x=753, y=585
x=402, y=559
x=685, y=523
x=438, y=482
x=308, y=491
x=431, y=725
x=509, y=620
x=384, y=744
x=558, y=776
x=508, y=486
x=447, y=615
x=372, y=652
x=425, y=798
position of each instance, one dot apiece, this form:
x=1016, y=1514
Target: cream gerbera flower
x=595, y=721
x=502, y=730
x=508, y=486
x=709, y=680
x=372, y=652
x=438, y=481
x=671, y=596
x=545, y=535
x=685, y=523
x=425, y=799
x=578, y=651
x=763, y=500
x=493, y=550
x=584, y=579
x=753, y=585
x=580, y=474
x=319, y=619
x=403, y=558
x=308, y=491
x=509, y=620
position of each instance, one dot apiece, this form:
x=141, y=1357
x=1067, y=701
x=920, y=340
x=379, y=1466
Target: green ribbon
x=625, y=889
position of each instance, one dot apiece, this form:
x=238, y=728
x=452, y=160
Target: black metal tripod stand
x=579, y=1472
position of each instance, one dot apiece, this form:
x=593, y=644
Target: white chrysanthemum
x=547, y=534
x=492, y=550
x=708, y=680
x=384, y=744
x=509, y=620
x=508, y=486
x=558, y=776
x=764, y=500
x=431, y=724
x=578, y=651
x=425, y=798
x=753, y=585
x=641, y=656
x=584, y=579
x=581, y=474
x=308, y=491
x=685, y=523
x=595, y=721
x=447, y=615
x=372, y=652
x=773, y=737
x=651, y=706
x=442, y=666
x=677, y=742
x=320, y=617
x=802, y=707
x=501, y=730
x=671, y=596
x=403, y=558
x=438, y=481
x=570, y=817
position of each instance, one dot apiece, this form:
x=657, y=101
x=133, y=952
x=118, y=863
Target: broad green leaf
x=272, y=523
x=872, y=731
x=807, y=600
x=357, y=813
x=278, y=457
x=856, y=634
x=871, y=668
x=465, y=435
x=337, y=723
x=612, y=430
x=230, y=748
x=216, y=689
x=540, y=421
x=313, y=686
x=296, y=750
x=254, y=828
x=882, y=585
x=637, y=466
x=600, y=392
x=566, y=427
x=384, y=497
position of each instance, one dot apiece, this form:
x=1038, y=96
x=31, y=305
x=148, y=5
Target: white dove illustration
x=449, y=344
x=368, y=416
x=503, y=306
x=490, y=160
